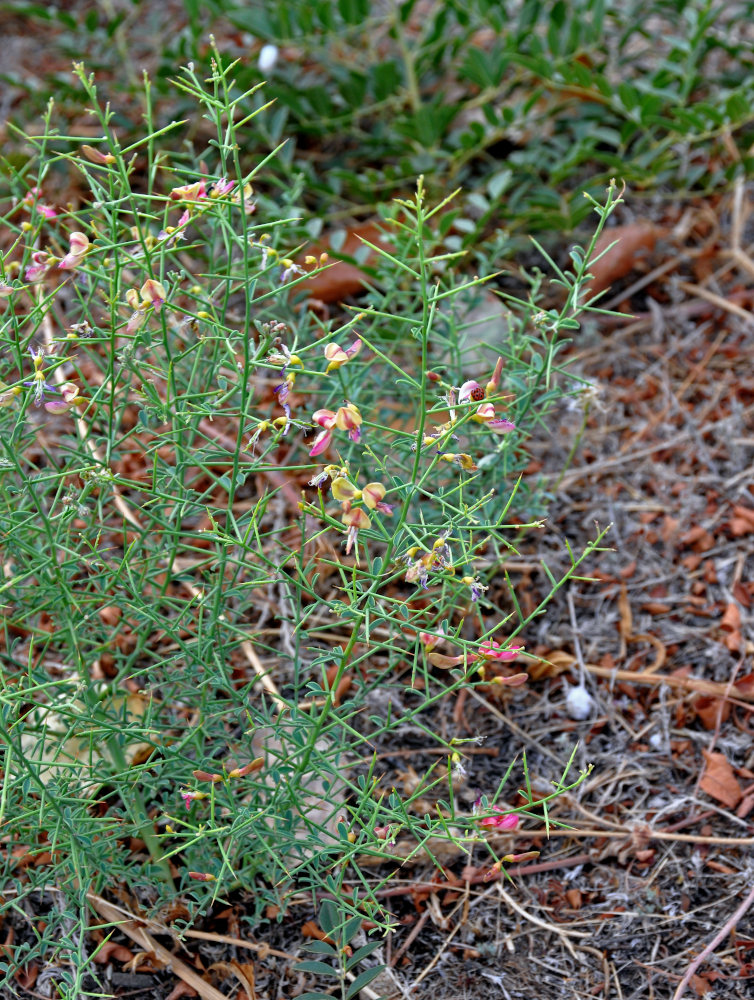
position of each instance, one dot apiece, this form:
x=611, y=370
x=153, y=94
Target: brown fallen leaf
x=745, y=686
x=719, y=781
x=636, y=239
x=110, y=951
x=343, y=278
x=710, y=711
x=730, y=625
x=181, y=989
x=310, y=929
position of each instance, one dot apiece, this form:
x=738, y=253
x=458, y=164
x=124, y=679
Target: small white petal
x=268, y=57
x=579, y=703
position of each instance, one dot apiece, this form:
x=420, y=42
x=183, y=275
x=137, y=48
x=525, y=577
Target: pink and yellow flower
x=338, y=356
x=472, y=391
x=96, y=156
x=371, y=496
x=151, y=294
x=189, y=797
x=78, y=245
x=190, y=192
x=31, y=200
x=346, y=418
x=355, y=520
x=70, y=397
x=41, y=262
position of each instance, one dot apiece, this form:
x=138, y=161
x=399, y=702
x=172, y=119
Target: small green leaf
x=329, y=918
x=319, y=968
x=361, y=953
x=353, y=926
x=321, y=948
x=363, y=979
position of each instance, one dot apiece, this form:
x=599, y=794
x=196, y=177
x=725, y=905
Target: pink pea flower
x=346, y=418
x=488, y=650
x=337, y=356
x=78, y=246
x=430, y=641
x=40, y=265
x=485, y=414
x=96, y=156
x=472, y=391
x=70, y=397
x=189, y=797
x=354, y=520
x=31, y=200
x=504, y=820
x=151, y=293
x=385, y=833
x=492, y=650
x=190, y=192
x=501, y=426
x=222, y=187
x=372, y=495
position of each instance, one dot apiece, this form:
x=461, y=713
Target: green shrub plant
x=235, y=536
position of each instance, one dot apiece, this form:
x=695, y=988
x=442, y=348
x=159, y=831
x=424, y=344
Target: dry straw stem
x=134, y=928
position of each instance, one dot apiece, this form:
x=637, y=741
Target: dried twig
x=134, y=927
x=728, y=926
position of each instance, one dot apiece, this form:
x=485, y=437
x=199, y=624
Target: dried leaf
x=27, y=977
x=745, y=686
x=110, y=951
x=745, y=806
x=553, y=663
x=710, y=710
x=719, y=781
x=731, y=620
x=311, y=929
x=181, y=989
x=574, y=898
